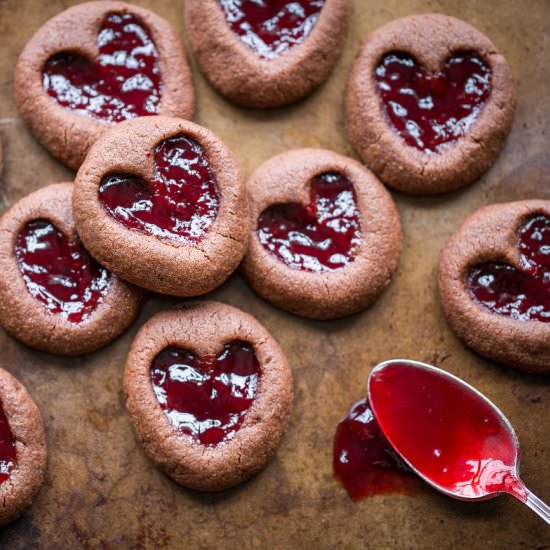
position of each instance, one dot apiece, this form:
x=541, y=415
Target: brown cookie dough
x=245, y=78
x=490, y=235
x=18, y=491
x=430, y=39
x=68, y=135
x=28, y=319
x=286, y=179
x=203, y=328
x=178, y=268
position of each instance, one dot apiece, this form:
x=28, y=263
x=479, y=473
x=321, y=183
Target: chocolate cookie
x=429, y=103
x=266, y=54
x=23, y=454
x=494, y=281
x=53, y=295
x=209, y=393
x=96, y=64
x=160, y=202
x=325, y=237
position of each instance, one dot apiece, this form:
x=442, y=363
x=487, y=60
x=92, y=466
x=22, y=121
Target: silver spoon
x=380, y=395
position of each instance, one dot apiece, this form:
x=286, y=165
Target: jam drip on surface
x=206, y=397
x=322, y=236
x=432, y=110
x=446, y=431
x=8, y=457
x=523, y=295
x=59, y=273
x=364, y=461
x=123, y=82
x=179, y=203
x=274, y=26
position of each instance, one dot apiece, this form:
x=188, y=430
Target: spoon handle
x=536, y=504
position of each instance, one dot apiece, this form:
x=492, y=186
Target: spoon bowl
x=448, y=432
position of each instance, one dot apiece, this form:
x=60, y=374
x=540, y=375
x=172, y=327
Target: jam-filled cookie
x=160, y=202
x=325, y=237
x=53, y=296
x=494, y=282
x=266, y=54
x=23, y=454
x=97, y=64
x=209, y=393
x=429, y=104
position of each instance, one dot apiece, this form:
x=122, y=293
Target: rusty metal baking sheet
x=102, y=492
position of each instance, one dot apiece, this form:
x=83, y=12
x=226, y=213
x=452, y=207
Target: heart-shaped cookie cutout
x=430, y=111
x=272, y=28
x=8, y=456
x=206, y=397
x=180, y=201
x=97, y=64
x=495, y=283
x=124, y=80
x=325, y=236
x=266, y=54
x=209, y=393
x=521, y=294
x=169, y=196
x=53, y=295
x=322, y=236
x=429, y=103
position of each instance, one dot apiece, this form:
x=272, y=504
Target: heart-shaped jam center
x=124, y=81
x=206, y=397
x=271, y=27
x=432, y=110
x=364, y=461
x=180, y=202
x=60, y=273
x=523, y=295
x=8, y=457
x=322, y=236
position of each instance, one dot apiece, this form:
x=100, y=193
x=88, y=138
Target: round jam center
x=523, y=295
x=124, y=81
x=445, y=430
x=60, y=273
x=8, y=457
x=180, y=202
x=206, y=397
x=322, y=236
x=272, y=27
x=363, y=460
x=431, y=110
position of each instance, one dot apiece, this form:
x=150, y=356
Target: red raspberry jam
x=432, y=110
x=8, y=458
x=179, y=203
x=322, y=236
x=60, y=273
x=523, y=295
x=364, y=461
x=123, y=82
x=450, y=434
x=206, y=397
x=272, y=27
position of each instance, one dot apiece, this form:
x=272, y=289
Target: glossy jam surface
x=364, y=461
x=523, y=295
x=8, y=458
x=432, y=110
x=271, y=27
x=206, y=397
x=444, y=429
x=60, y=273
x=123, y=82
x=322, y=236
x=179, y=203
